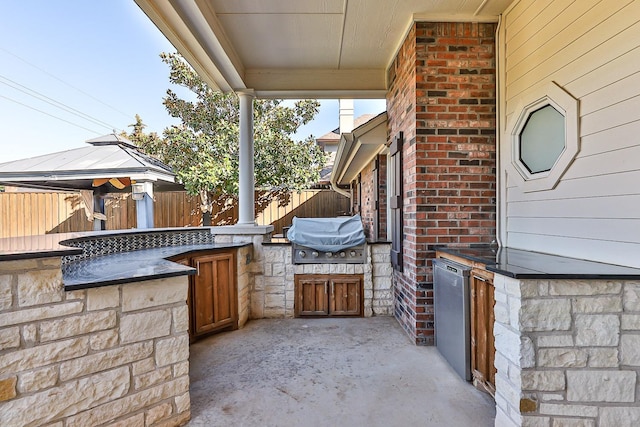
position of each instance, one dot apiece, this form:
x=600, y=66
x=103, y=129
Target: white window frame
x=553, y=95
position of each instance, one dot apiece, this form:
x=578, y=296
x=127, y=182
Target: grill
x=327, y=240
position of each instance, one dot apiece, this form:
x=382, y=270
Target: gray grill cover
x=327, y=234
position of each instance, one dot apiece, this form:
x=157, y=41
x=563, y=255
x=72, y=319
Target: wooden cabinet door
x=483, y=348
x=311, y=294
x=214, y=293
x=345, y=297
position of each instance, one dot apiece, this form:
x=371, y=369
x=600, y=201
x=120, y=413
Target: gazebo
x=111, y=163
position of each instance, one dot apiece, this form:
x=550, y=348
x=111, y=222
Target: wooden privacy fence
x=24, y=214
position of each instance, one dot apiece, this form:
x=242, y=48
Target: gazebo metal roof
x=106, y=157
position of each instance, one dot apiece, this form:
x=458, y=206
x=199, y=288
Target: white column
x=246, y=164
x=144, y=205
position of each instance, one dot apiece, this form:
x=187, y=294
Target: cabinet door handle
x=325, y=288
x=198, y=268
x=482, y=279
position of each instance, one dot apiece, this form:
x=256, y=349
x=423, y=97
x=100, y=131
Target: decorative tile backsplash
x=104, y=245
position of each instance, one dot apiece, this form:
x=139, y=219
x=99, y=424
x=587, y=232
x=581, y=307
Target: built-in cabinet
x=483, y=348
x=482, y=302
x=213, y=296
x=318, y=295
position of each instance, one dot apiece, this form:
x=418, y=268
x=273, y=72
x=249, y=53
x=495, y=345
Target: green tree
x=203, y=150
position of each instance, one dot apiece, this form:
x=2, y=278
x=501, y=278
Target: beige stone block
x=68, y=399
x=573, y=422
x=535, y=421
x=57, y=424
x=21, y=265
x=75, y=295
x=152, y=378
x=543, y=380
x=277, y=269
x=562, y=358
x=606, y=304
x=630, y=350
x=8, y=389
x=555, y=341
x=274, y=300
x=40, y=313
x=545, y=315
x=631, y=297
x=154, y=293
x=30, y=334
x=42, y=355
x=183, y=403
x=104, y=360
x=180, y=369
x=50, y=262
x=568, y=410
x=273, y=255
x=180, y=318
x=37, y=380
x=104, y=297
x=601, y=386
x=597, y=330
x=256, y=304
x=134, y=421
x=172, y=350
x=158, y=413
x=77, y=325
x=145, y=325
x=5, y=291
x=103, y=340
x=143, y=366
x=630, y=322
x=129, y=404
x=9, y=338
x=603, y=357
x=620, y=416
x=176, y=420
x=40, y=287
x=547, y=397
x=576, y=287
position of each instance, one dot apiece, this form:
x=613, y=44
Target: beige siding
x=591, y=48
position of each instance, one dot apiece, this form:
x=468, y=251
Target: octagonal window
x=542, y=139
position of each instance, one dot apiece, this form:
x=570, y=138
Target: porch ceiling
x=302, y=48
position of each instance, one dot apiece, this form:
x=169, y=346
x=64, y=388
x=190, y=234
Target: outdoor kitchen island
x=567, y=336
x=94, y=326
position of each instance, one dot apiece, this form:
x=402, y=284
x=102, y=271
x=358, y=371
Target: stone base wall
x=272, y=295
x=567, y=352
x=114, y=355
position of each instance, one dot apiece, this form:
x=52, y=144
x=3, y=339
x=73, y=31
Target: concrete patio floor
x=328, y=372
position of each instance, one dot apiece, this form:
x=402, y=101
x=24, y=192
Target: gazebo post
x=144, y=204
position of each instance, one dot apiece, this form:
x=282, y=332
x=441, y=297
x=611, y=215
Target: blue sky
x=100, y=60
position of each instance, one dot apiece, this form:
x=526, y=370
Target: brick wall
x=442, y=96
x=368, y=210
x=88, y=357
x=382, y=190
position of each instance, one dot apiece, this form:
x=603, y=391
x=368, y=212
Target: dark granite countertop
x=30, y=247
x=122, y=267
x=521, y=264
x=125, y=267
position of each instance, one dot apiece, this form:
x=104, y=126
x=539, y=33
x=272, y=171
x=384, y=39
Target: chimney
x=346, y=115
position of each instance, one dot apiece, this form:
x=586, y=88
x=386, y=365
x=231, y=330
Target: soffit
x=287, y=48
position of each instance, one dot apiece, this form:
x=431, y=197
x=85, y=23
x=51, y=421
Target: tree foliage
x=203, y=149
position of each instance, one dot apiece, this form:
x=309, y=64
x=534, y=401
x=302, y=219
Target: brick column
x=442, y=96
